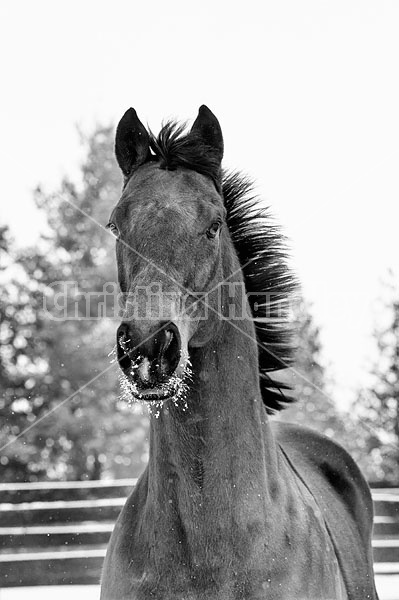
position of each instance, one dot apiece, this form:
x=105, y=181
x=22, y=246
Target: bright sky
x=307, y=94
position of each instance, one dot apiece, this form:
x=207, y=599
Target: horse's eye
x=213, y=229
x=113, y=229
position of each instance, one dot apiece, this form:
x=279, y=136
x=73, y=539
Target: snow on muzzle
x=148, y=358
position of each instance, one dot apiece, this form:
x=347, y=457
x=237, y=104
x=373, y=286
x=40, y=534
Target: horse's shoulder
x=326, y=466
x=343, y=496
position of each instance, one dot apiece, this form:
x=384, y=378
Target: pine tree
x=377, y=404
x=43, y=361
x=23, y=365
x=314, y=407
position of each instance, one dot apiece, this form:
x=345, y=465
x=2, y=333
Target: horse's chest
x=271, y=575
x=237, y=588
x=293, y=560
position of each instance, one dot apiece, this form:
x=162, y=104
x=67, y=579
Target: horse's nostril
x=124, y=346
x=170, y=349
x=124, y=342
x=161, y=351
x=168, y=339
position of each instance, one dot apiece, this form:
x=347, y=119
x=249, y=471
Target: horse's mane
x=173, y=147
x=261, y=250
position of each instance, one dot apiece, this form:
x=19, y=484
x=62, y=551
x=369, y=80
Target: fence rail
x=56, y=534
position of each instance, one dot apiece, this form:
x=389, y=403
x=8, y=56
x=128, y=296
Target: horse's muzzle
x=149, y=360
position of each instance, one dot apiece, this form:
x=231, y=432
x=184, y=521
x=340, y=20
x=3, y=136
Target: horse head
x=169, y=230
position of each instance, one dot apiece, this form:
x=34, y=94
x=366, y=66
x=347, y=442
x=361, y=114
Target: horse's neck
x=217, y=459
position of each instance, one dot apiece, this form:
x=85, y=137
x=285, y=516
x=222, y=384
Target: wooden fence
x=56, y=534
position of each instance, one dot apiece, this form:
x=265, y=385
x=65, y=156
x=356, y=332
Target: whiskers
x=175, y=390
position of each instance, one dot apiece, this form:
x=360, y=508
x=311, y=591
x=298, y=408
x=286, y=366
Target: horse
x=233, y=504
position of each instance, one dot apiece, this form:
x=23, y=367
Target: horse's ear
x=207, y=127
x=132, y=143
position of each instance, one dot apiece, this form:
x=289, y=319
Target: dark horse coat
x=231, y=505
